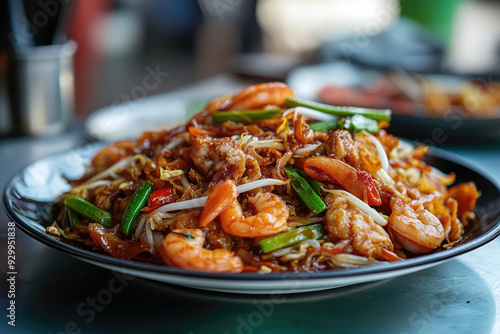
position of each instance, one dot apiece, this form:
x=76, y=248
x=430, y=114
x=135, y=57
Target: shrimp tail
x=218, y=200
x=359, y=183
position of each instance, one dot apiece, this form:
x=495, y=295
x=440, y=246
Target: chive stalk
x=246, y=115
x=315, y=184
x=137, y=202
x=290, y=238
x=190, y=237
x=65, y=219
x=73, y=219
x=88, y=210
x=324, y=126
x=305, y=191
x=359, y=123
x=376, y=114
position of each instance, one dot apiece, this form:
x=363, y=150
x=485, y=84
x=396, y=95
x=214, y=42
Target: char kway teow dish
x=263, y=181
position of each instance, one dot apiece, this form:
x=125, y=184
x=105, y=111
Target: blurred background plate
x=415, y=123
x=128, y=120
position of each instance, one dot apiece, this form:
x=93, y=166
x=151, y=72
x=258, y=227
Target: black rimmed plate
x=30, y=194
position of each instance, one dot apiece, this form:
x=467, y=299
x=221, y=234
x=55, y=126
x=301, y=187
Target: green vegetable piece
x=305, y=191
x=137, y=202
x=359, y=123
x=290, y=238
x=324, y=126
x=65, y=220
x=190, y=237
x=315, y=184
x=376, y=114
x=88, y=210
x=246, y=115
x=73, y=219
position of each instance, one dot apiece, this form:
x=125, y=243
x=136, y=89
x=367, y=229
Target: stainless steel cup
x=37, y=90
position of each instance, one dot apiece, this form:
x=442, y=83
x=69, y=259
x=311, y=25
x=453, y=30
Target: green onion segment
x=376, y=114
x=290, y=238
x=305, y=191
x=137, y=202
x=88, y=210
x=246, y=115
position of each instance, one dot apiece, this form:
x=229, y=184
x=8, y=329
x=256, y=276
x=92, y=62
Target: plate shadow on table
x=64, y=295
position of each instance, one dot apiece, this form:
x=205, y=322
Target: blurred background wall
x=118, y=40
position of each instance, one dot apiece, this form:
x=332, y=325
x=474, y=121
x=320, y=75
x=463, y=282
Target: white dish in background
x=308, y=80
x=130, y=119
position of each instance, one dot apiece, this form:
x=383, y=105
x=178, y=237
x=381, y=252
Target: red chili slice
x=159, y=198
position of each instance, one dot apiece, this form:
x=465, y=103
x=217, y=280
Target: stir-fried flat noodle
x=253, y=184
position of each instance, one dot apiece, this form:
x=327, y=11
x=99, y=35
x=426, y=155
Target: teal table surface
x=56, y=293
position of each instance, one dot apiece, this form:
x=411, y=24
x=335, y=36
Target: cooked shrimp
x=271, y=217
x=219, y=200
x=345, y=221
x=111, y=154
x=205, y=115
x=359, y=183
x=218, y=159
x=184, y=248
x=215, y=103
x=258, y=96
x=418, y=231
